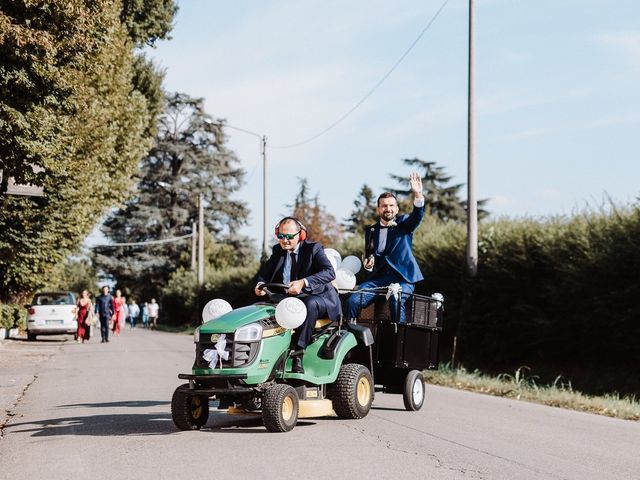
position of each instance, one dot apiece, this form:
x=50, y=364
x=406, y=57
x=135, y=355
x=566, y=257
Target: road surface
x=102, y=411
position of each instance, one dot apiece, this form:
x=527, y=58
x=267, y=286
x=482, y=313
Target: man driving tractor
x=304, y=267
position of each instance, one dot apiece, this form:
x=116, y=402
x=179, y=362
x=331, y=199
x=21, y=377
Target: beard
x=386, y=216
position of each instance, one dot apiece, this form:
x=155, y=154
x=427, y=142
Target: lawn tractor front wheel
x=189, y=411
x=280, y=408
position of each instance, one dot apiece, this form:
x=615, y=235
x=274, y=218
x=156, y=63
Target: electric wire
x=148, y=242
x=357, y=105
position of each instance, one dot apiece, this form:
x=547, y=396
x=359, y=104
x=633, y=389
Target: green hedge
x=558, y=295
x=12, y=315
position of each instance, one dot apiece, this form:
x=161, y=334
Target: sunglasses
x=288, y=236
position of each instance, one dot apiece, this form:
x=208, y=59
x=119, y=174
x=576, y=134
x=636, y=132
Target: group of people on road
x=303, y=266
x=112, y=312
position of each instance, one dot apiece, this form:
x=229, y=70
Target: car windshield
x=53, y=299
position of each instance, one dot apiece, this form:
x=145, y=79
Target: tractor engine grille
x=240, y=353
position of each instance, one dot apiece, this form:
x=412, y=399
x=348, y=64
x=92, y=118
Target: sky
x=557, y=96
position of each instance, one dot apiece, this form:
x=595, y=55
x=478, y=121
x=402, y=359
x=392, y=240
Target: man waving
x=388, y=254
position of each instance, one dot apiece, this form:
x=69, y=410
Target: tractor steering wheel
x=273, y=296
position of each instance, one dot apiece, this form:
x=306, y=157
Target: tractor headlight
x=196, y=335
x=249, y=333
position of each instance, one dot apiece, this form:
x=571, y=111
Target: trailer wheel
x=352, y=393
x=189, y=412
x=413, y=393
x=280, y=408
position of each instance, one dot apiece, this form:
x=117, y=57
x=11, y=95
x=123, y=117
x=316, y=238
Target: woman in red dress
x=120, y=312
x=84, y=316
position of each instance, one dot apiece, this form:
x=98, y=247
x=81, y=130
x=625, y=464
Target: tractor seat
x=322, y=323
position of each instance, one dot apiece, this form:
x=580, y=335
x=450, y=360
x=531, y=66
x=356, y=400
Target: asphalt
x=19, y=365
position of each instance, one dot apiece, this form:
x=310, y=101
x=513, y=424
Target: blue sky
x=557, y=85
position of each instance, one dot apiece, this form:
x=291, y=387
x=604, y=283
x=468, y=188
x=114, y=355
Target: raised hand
x=415, y=181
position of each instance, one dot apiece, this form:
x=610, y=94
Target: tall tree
x=442, y=199
x=321, y=225
x=364, y=212
x=69, y=106
x=189, y=158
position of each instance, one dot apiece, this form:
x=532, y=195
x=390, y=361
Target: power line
x=148, y=242
x=355, y=107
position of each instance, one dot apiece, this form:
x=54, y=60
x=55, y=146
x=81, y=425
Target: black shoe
x=296, y=365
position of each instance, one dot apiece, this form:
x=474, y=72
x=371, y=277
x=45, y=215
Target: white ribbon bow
x=394, y=289
x=211, y=355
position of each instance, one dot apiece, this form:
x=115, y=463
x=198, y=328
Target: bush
x=12, y=316
x=558, y=293
x=182, y=300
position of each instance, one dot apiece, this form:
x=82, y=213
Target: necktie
x=294, y=266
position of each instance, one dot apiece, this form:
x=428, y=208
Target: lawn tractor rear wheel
x=352, y=393
x=189, y=411
x=280, y=408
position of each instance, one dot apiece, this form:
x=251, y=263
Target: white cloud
x=627, y=42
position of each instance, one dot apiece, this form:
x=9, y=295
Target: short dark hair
x=386, y=195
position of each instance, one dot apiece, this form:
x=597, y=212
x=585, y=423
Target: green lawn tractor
x=243, y=360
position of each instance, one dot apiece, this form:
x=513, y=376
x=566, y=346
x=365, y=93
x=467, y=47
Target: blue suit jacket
x=314, y=266
x=398, y=254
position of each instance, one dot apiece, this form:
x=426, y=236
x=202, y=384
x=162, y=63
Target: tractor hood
x=230, y=322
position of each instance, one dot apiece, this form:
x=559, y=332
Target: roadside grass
x=522, y=387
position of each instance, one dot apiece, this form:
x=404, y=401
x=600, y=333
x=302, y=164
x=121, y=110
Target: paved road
x=102, y=411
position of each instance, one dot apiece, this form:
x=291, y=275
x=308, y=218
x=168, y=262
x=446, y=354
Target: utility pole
x=194, y=245
x=472, y=204
x=265, y=230
x=200, y=240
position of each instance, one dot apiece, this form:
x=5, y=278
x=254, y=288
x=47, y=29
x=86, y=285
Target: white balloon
x=291, y=312
x=215, y=308
x=333, y=262
x=345, y=279
x=351, y=263
x=330, y=252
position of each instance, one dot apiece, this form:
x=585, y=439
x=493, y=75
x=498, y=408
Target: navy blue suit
x=104, y=309
x=396, y=264
x=320, y=297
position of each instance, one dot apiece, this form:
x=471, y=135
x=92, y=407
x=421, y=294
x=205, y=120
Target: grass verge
x=523, y=387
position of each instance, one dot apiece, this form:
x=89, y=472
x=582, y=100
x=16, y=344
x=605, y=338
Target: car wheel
x=280, y=408
x=352, y=393
x=188, y=411
x=414, y=391
x=31, y=336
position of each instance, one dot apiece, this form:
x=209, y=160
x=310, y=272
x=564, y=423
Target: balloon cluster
x=346, y=269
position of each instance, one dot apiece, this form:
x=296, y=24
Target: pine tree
x=441, y=199
x=364, y=212
x=189, y=158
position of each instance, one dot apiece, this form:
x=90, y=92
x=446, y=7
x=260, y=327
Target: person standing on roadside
x=153, y=313
x=84, y=317
x=120, y=312
x=134, y=312
x=105, y=310
x=145, y=315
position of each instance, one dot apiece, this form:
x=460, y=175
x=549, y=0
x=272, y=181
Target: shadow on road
x=387, y=409
x=109, y=425
x=99, y=425
x=126, y=403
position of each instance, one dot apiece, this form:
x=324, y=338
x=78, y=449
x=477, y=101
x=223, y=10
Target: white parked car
x=51, y=313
